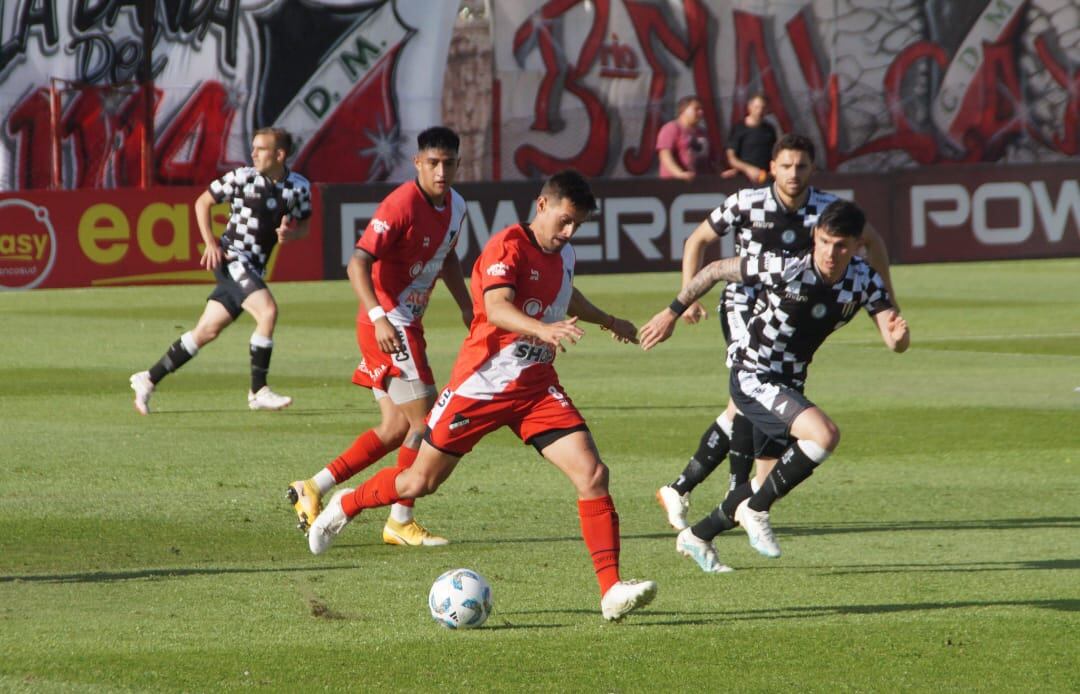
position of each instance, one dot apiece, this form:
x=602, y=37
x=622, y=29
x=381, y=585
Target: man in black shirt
x=750, y=143
x=269, y=204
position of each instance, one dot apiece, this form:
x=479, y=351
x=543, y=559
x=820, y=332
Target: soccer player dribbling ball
x=522, y=289
x=269, y=204
x=406, y=246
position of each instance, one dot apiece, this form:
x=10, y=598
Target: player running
x=522, y=289
x=806, y=298
x=270, y=204
x=408, y=244
x=776, y=218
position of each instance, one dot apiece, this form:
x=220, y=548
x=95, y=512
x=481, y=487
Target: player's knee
x=392, y=430
x=596, y=480
x=205, y=333
x=829, y=437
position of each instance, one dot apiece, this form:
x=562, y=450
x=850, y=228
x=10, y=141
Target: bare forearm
x=586, y=310
x=503, y=314
x=202, y=217
x=359, y=272
x=724, y=270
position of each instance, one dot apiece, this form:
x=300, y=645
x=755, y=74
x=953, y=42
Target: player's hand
x=555, y=333
x=288, y=230
x=659, y=328
x=622, y=330
x=695, y=313
x=387, y=337
x=211, y=257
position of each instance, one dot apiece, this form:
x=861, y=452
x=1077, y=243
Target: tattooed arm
x=662, y=325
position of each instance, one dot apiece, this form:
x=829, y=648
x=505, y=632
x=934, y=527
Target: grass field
x=937, y=550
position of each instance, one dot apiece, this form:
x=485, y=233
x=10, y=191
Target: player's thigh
x=575, y=454
x=771, y=406
x=261, y=305
x=813, y=424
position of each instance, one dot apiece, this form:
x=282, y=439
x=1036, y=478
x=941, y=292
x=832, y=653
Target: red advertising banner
x=123, y=237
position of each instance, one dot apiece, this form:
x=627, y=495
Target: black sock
x=741, y=456
x=735, y=497
x=173, y=359
x=793, y=467
x=711, y=452
x=712, y=525
x=260, y=366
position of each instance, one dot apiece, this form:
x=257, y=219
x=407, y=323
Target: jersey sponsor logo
x=533, y=350
x=415, y=269
x=498, y=269
x=794, y=296
x=763, y=225
x=818, y=311
x=532, y=307
x=458, y=421
x=379, y=226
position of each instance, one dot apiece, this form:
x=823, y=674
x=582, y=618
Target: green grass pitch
x=937, y=550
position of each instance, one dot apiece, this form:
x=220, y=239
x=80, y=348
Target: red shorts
x=377, y=367
x=457, y=423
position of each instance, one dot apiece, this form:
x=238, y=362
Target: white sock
x=187, y=341
x=324, y=480
x=725, y=423
x=401, y=514
x=258, y=340
x=754, y=486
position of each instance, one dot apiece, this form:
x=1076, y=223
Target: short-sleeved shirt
x=801, y=310
x=409, y=238
x=258, y=204
x=689, y=147
x=498, y=364
x=754, y=144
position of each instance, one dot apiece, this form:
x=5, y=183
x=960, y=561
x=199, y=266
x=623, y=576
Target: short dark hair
x=799, y=143
x=438, y=137
x=283, y=139
x=570, y=185
x=682, y=103
x=842, y=218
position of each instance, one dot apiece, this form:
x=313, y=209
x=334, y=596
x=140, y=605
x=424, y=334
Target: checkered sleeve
x=875, y=296
x=298, y=194
x=228, y=185
x=727, y=216
x=770, y=269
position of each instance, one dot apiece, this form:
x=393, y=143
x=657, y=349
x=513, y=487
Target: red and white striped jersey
x=409, y=239
x=499, y=364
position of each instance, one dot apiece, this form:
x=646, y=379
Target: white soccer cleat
x=626, y=596
x=703, y=552
x=329, y=523
x=144, y=388
x=675, y=505
x=758, y=529
x=267, y=399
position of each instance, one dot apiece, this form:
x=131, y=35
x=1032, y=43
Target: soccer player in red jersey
x=522, y=289
x=406, y=246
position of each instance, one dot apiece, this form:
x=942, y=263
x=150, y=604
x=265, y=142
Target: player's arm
x=454, y=279
x=212, y=254
x=662, y=325
x=621, y=329
x=359, y=271
x=292, y=229
x=693, y=257
x=894, y=330
x=501, y=312
x=878, y=257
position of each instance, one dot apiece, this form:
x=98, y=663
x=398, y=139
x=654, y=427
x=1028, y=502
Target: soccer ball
x=460, y=599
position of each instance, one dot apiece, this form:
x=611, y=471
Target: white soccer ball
x=460, y=599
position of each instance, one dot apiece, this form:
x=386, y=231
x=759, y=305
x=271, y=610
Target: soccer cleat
x=758, y=529
x=307, y=501
x=676, y=506
x=412, y=534
x=626, y=596
x=328, y=525
x=144, y=388
x=703, y=552
x=267, y=399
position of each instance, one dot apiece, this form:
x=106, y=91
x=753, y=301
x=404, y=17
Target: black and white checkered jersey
x=760, y=224
x=258, y=205
x=801, y=310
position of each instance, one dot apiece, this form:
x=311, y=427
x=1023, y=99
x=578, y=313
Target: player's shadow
x=136, y=574
x=817, y=611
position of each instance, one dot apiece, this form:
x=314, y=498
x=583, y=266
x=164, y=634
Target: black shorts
x=236, y=281
x=771, y=406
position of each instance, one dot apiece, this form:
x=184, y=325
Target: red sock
x=600, y=529
x=405, y=458
x=365, y=450
x=380, y=490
